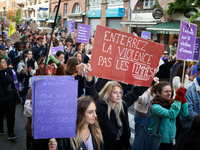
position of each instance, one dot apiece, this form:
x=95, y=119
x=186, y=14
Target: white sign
x=143, y=17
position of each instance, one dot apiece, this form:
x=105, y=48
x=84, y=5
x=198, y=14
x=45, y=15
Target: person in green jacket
x=167, y=109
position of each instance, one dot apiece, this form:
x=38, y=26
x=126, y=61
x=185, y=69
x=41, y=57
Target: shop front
x=114, y=17
x=94, y=17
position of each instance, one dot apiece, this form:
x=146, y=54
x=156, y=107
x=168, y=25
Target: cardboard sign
x=55, y=109
x=196, y=50
x=15, y=37
x=33, y=26
x=45, y=31
x=55, y=49
x=146, y=35
x=71, y=26
x=187, y=37
x=124, y=57
x=83, y=34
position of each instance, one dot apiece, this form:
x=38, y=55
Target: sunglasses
x=165, y=53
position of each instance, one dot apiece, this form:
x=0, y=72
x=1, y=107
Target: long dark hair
x=179, y=70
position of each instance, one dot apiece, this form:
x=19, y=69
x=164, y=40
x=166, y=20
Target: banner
x=196, y=50
x=83, y=34
x=55, y=49
x=146, y=35
x=71, y=26
x=187, y=37
x=55, y=110
x=33, y=26
x=124, y=57
x=11, y=29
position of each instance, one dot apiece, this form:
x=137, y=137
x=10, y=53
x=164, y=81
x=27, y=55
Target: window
x=77, y=8
x=65, y=8
x=148, y=3
x=95, y=1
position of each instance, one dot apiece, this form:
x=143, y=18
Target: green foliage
x=192, y=19
x=18, y=17
x=180, y=6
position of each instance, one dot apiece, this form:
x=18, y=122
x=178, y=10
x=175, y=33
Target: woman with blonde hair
x=88, y=133
x=112, y=112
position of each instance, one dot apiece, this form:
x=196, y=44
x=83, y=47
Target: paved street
x=20, y=143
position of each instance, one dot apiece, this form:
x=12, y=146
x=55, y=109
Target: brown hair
x=72, y=62
x=83, y=104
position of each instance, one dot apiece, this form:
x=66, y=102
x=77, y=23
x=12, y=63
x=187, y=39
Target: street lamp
x=4, y=11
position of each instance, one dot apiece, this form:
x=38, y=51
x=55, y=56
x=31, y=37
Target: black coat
x=38, y=52
x=65, y=144
x=109, y=127
x=7, y=88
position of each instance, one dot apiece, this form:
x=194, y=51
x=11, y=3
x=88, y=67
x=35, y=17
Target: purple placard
x=34, y=78
x=71, y=26
x=23, y=25
x=146, y=35
x=55, y=49
x=186, y=43
x=196, y=50
x=55, y=109
x=83, y=33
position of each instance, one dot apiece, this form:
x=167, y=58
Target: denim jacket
x=193, y=97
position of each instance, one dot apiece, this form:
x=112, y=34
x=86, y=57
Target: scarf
x=164, y=58
x=164, y=103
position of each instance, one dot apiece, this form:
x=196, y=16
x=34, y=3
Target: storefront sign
x=157, y=13
x=42, y=8
x=94, y=13
x=119, y=12
x=124, y=57
x=145, y=17
x=186, y=42
x=76, y=18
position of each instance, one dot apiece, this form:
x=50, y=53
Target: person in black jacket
x=39, y=50
x=88, y=132
x=112, y=112
x=7, y=99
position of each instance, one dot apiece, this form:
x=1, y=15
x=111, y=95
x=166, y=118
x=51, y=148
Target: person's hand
x=88, y=69
x=156, y=79
x=180, y=94
x=29, y=69
x=192, y=77
x=80, y=69
x=24, y=71
x=174, y=57
x=11, y=66
x=52, y=144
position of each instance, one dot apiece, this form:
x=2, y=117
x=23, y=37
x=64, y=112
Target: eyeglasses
x=165, y=53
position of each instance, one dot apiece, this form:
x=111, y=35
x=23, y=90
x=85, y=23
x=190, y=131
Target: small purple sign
x=146, y=35
x=23, y=25
x=71, y=26
x=186, y=43
x=196, y=50
x=55, y=49
x=55, y=110
x=83, y=33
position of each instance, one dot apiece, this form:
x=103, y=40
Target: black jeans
x=8, y=108
x=166, y=146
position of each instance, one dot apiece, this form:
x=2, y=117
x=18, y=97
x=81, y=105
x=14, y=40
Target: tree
x=10, y=14
x=18, y=17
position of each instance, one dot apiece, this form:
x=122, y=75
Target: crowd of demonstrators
x=102, y=119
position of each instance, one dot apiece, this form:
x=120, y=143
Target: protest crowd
x=169, y=108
